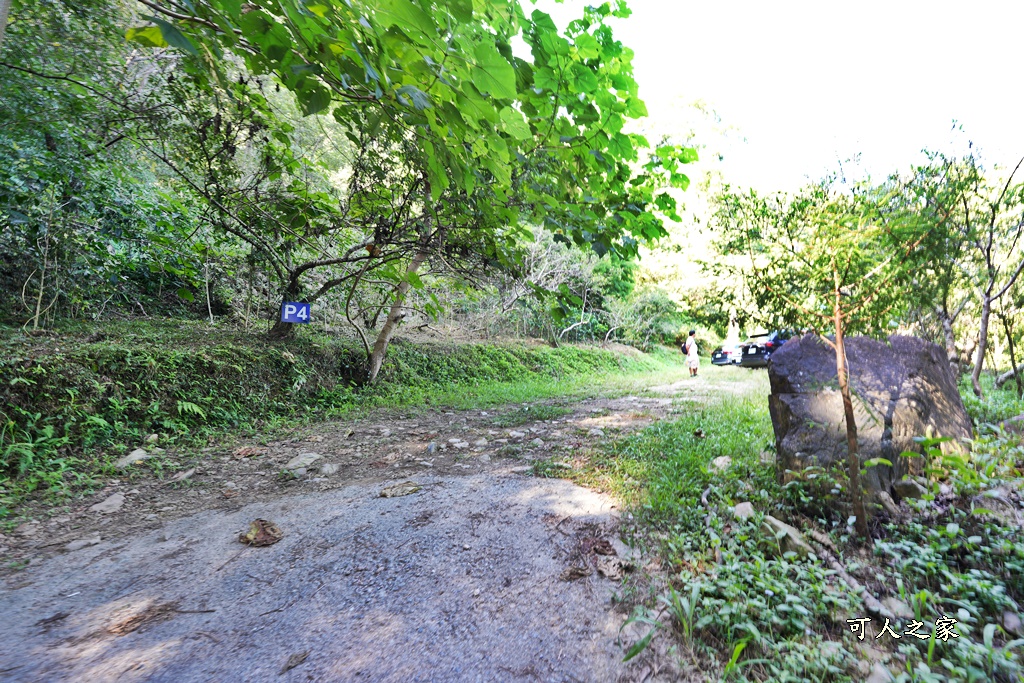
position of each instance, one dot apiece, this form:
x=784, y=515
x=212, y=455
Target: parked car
x=727, y=354
x=755, y=352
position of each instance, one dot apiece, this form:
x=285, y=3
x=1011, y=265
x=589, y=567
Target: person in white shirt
x=690, y=349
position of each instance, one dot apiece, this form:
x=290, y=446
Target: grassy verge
x=997, y=405
x=75, y=400
x=736, y=607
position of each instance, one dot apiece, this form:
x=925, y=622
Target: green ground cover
x=739, y=609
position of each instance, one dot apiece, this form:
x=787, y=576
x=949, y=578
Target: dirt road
x=486, y=573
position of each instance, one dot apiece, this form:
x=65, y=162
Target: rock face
x=902, y=389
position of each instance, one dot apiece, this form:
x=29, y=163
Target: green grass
x=739, y=610
x=527, y=414
x=663, y=470
x=998, y=404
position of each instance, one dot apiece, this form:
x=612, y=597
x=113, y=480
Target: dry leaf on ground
x=249, y=451
x=612, y=567
x=261, y=533
x=403, y=489
x=293, y=661
x=573, y=573
x=140, y=619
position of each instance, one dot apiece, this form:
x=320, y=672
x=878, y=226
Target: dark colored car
x=728, y=354
x=755, y=352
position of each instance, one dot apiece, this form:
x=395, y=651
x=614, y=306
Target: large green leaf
x=314, y=99
x=514, y=124
x=492, y=73
x=150, y=36
x=415, y=96
x=406, y=16
x=174, y=37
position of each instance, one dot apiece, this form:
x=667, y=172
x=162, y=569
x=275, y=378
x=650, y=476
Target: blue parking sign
x=294, y=312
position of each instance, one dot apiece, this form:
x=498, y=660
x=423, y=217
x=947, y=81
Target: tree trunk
x=1013, y=356
x=952, y=355
x=5, y=8
x=282, y=330
x=1008, y=375
x=395, y=315
x=853, y=456
x=986, y=313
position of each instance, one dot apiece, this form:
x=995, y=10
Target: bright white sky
x=806, y=84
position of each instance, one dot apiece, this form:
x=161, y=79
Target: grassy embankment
x=739, y=609
x=76, y=399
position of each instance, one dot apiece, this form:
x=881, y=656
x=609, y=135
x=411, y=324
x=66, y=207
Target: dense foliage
x=366, y=158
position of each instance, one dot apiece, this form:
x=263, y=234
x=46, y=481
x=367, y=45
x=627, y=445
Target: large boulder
x=901, y=389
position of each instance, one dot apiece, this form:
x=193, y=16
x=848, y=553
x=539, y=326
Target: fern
x=187, y=407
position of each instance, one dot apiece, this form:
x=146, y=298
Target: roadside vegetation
x=76, y=400
x=731, y=600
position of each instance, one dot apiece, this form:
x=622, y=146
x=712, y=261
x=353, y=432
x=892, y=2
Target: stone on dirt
x=908, y=488
x=135, y=456
x=743, y=511
x=901, y=389
x=898, y=607
x=1012, y=623
x=879, y=674
x=329, y=468
x=792, y=539
x=887, y=503
x=403, y=489
x=111, y=504
x=302, y=461
x=720, y=464
x=1000, y=504
x=82, y=543
x=596, y=431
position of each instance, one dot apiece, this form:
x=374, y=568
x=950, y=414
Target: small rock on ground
x=82, y=543
x=132, y=458
x=792, y=540
x=110, y=504
x=721, y=463
x=743, y=510
x=302, y=460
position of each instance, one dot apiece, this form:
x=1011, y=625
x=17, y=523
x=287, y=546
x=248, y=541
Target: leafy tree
x=834, y=262
x=990, y=217
x=460, y=143
x=932, y=191
x=84, y=220
x=643, y=318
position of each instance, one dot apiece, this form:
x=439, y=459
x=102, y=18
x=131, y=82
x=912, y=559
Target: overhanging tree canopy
x=488, y=142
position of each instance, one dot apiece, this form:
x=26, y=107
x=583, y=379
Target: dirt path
x=485, y=573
